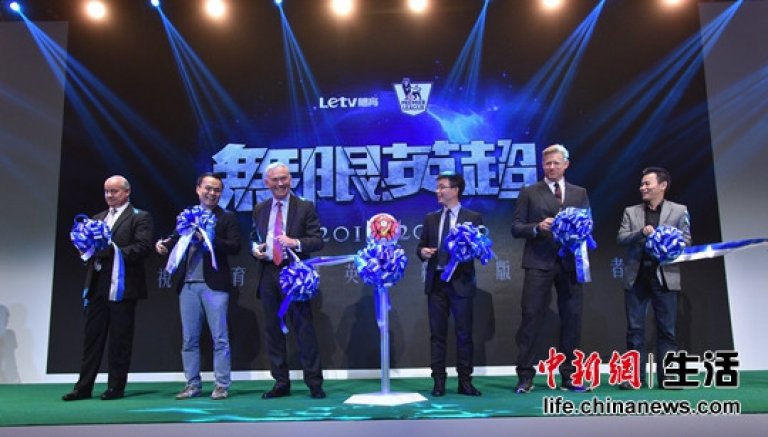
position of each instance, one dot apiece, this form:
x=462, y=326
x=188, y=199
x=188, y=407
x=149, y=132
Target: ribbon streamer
x=188, y=222
x=464, y=243
x=717, y=249
x=572, y=228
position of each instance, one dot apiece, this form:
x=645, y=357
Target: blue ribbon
x=466, y=242
x=572, y=228
x=717, y=249
x=187, y=223
x=91, y=236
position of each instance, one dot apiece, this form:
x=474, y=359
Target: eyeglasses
x=445, y=187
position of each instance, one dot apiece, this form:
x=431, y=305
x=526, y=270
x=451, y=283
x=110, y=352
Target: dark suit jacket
x=631, y=236
x=132, y=232
x=463, y=279
x=226, y=242
x=302, y=224
x=535, y=203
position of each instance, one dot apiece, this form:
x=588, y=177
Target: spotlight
x=418, y=6
x=215, y=8
x=96, y=9
x=672, y=3
x=551, y=4
x=155, y=3
x=15, y=7
x=342, y=8
x=278, y=2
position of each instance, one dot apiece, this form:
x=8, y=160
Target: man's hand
x=287, y=241
x=546, y=224
x=648, y=230
x=160, y=246
x=428, y=252
x=258, y=251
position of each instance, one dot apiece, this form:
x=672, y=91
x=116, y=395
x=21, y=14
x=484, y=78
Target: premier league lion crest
x=413, y=96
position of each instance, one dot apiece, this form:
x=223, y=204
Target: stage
x=150, y=409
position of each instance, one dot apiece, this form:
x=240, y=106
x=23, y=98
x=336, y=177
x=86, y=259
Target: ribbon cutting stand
x=385, y=397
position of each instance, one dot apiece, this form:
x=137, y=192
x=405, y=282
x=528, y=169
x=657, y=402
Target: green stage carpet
x=41, y=404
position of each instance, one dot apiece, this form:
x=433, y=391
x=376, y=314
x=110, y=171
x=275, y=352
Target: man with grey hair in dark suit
x=285, y=221
x=642, y=284
x=534, y=214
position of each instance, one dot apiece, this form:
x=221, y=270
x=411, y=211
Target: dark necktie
x=277, y=248
x=442, y=252
x=558, y=193
x=111, y=217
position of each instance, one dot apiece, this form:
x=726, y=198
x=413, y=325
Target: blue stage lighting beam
x=465, y=73
x=658, y=91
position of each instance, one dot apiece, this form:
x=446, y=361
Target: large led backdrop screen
x=366, y=112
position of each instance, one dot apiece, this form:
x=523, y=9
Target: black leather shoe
x=439, y=388
x=627, y=386
x=278, y=391
x=317, y=393
x=571, y=387
x=466, y=388
x=75, y=395
x=111, y=394
x=524, y=386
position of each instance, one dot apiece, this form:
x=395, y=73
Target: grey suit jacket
x=631, y=236
x=535, y=203
x=302, y=224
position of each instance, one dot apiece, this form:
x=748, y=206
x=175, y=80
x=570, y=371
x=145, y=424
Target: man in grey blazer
x=534, y=214
x=641, y=283
x=286, y=221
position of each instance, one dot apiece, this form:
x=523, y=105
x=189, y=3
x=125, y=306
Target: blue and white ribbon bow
x=91, y=236
x=572, y=228
x=298, y=282
x=187, y=223
x=466, y=242
x=381, y=265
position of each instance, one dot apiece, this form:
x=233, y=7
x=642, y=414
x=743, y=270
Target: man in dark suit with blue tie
x=109, y=316
x=534, y=214
x=286, y=221
x=452, y=297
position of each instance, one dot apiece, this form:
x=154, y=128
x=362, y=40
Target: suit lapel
x=127, y=212
x=666, y=213
x=548, y=198
x=293, y=205
x=264, y=219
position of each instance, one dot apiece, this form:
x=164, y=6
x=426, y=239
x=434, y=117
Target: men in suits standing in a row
x=534, y=214
x=286, y=221
x=204, y=291
x=109, y=315
x=454, y=296
x=642, y=284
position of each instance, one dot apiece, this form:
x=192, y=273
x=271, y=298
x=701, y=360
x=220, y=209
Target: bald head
x=117, y=191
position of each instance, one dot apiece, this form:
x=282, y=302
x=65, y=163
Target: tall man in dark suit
x=109, y=315
x=281, y=222
x=204, y=291
x=455, y=296
x=534, y=214
x=641, y=282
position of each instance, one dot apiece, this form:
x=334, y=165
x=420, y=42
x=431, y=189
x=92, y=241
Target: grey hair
x=557, y=148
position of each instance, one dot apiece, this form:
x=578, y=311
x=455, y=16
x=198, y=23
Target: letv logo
x=348, y=102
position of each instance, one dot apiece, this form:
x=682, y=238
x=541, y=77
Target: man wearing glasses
x=455, y=296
